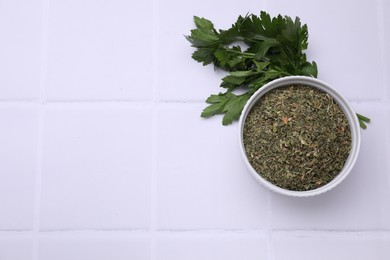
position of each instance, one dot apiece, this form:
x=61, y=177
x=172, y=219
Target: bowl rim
x=345, y=107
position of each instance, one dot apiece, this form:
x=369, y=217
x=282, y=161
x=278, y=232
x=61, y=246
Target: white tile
x=386, y=142
x=100, y=50
x=97, y=247
x=97, y=165
x=360, y=202
x=324, y=248
x=179, y=76
x=202, y=179
x=15, y=247
x=347, y=58
x=386, y=43
x=211, y=247
x=18, y=153
x=20, y=49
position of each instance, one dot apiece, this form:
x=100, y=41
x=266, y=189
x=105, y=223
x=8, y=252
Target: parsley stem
x=363, y=118
x=362, y=124
x=248, y=54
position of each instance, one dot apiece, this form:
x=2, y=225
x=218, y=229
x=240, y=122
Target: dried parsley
x=297, y=137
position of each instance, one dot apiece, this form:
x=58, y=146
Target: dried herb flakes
x=297, y=137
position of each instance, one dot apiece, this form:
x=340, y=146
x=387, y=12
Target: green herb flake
x=297, y=137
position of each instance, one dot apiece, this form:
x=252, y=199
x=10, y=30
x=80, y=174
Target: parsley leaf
x=275, y=48
x=226, y=103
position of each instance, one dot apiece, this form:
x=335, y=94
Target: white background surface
x=103, y=154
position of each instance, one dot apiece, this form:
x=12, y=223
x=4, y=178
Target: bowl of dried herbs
x=298, y=136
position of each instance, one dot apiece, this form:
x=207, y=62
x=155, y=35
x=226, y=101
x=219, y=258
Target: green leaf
x=228, y=103
x=261, y=47
x=227, y=85
x=205, y=55
x=218, y=103
x=265, y=39
x=243, y=74
x=203, y=23
x=315, y=70
x=213, y=109
x=204, y=36
x=223, y=56
x=237, y=78
x=260, y=65
x=234, y=108
x=310, y=70
x=266, y=20
x=230, y=59
x=233, y=80
x=363, y=118
x=261, y=51
x=230, y=35
x=215, y=98
x=362, y=124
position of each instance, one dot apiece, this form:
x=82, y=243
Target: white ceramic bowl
x=344, y=105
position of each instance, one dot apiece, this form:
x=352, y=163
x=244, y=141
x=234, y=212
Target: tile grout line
x=383, y=51
x=207, y=232
x=70, y=103
x=155, y=105
x=333, y=233
x=269, y=230
x=41, y=121
x=387, y=145
x=38, y=184
x=153, y=182
x=97, y=102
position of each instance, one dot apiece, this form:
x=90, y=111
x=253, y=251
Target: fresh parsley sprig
x=275, y=48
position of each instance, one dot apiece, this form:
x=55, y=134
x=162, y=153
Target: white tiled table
x=103, y=154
